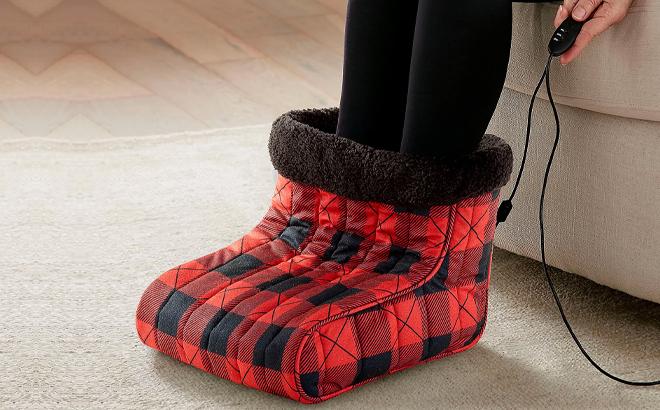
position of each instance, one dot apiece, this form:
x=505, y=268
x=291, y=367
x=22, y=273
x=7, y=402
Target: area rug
x=85, y=227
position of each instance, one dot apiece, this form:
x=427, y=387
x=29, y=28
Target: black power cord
x=507, y=206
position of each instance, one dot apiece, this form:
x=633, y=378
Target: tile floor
x=87, y=69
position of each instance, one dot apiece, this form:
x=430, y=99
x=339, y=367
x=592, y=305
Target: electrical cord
x=507, y=206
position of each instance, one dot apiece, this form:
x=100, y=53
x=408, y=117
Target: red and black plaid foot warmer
x=368, y=262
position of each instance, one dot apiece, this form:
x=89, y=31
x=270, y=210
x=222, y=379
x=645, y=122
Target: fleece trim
x=304, y=148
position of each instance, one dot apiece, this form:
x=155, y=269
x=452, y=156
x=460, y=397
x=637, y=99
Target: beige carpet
x=85, y=227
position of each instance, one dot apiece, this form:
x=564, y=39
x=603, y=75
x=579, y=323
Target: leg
x=378, y=45
x=459, y=63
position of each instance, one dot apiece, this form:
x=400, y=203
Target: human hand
x=598, y=14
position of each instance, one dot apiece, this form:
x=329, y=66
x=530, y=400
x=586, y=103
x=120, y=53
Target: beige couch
x=602, y=208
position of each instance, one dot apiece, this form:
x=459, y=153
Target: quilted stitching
x=196, y=281
x=327, y=293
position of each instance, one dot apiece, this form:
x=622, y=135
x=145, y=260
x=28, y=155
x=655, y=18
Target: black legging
x=423, y=76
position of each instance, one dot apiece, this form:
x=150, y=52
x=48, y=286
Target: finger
x=584, y=8
x=564, y=11
x=590, y=30
x=606, y=15
x=560, y=16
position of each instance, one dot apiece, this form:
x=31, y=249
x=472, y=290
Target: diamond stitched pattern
x=326, y=293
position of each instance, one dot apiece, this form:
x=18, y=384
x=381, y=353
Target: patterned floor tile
x=327, y=29
x=81, y=76
x=37, y=117
x=184, y=29
x=338, y=6
x=292, y=8
x=36, y=56
x=140, y=116
x=86, y=21
x=15, y=24
x=7, y=132
x=240, y=17
x=305, y=57
x=80, y=128
x=36, y=7
x=272, y=84
x=192, y=87
x=15, y=81
x=151, y=67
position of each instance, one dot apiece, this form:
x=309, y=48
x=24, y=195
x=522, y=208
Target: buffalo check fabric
x=327, y=293
x=366, y=263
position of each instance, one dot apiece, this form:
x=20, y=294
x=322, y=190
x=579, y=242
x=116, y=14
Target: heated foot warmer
x=367, y=262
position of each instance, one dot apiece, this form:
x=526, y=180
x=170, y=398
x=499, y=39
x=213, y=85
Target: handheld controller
x=564, y=37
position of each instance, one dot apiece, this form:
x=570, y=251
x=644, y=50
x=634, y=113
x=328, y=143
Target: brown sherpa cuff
x=304, y=148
